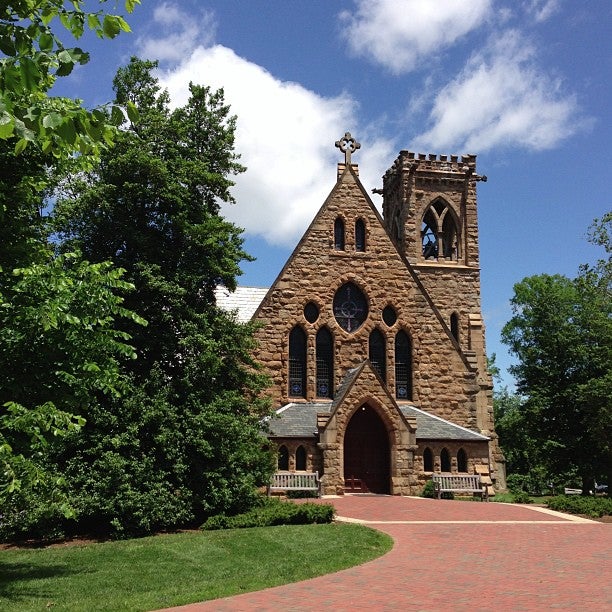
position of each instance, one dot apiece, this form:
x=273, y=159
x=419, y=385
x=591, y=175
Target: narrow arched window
x=325, y=363
x=360, y=235
x=403, y=366
x=461, y=461
x=283, y=458
x=445, y=464
x=300, y=459
x=454, y=325
x=428, y=464
x=378, y=353
x=339, y=234
x=297, y=362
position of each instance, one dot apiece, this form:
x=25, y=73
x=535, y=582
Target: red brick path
x=514, y=558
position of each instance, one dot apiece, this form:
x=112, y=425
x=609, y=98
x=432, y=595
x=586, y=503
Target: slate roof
x=299, y=420
x=431, y=427
x=244, y=301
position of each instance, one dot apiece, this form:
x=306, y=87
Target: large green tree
x=187, y=442
x=561, y=333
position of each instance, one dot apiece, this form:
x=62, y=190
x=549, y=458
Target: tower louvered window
x=297, y=362
x=403, y=366
x=377, y=353
x=325, y=363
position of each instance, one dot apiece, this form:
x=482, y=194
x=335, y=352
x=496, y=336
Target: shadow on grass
x=13, y=573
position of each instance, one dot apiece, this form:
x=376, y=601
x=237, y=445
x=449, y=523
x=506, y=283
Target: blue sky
x=524, y=84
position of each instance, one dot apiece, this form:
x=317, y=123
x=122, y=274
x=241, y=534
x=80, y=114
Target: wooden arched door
x=366, y=453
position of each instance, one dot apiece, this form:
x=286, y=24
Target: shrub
x=273, y=512
x=520, y=497
x=429, y=492
x=578, y=504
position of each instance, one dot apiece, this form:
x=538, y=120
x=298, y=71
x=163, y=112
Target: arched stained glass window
x=283, y=458
x=297, y=362
x=378, y=353
x=350, y=307
x=403, y=366
x=325, y=363
x=462, y=461
x=360, y=235
x=300, y=458
x=445, y=464
x=428, y=464
x=339, y=234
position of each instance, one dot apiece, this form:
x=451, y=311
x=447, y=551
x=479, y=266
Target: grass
x=175, y=569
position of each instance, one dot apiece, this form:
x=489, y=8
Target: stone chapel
x=373, y=336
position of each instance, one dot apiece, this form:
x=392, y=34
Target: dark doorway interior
x=366, y=453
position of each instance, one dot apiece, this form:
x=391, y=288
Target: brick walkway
x=456, y=556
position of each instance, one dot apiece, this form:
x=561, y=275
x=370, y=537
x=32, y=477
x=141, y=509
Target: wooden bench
x=295, y=481
x=460, y=483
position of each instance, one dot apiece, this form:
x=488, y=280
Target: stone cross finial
x=347, y=144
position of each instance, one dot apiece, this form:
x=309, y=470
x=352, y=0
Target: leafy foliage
x=594, y=507
x=273, y=512
x=561, y=332
x=34, y=57
x=59, y=348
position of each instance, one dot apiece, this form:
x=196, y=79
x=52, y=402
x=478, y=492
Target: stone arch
x=367, y=452
x=462, y=460
x=445, y=462
x=339, y=234
x=428, y=460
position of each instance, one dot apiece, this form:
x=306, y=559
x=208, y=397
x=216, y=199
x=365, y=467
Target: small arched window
x=360, y=235
x=454, y=325
x=300, y=459
x=283, y=458
x=403, y=366
x=297, y=362
x=325, y=363
x=428, y=464
x=378, y=353
x=339, y=234
x=445, y=463
x=461, y=461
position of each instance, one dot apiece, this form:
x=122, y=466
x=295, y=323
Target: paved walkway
x=456, y=556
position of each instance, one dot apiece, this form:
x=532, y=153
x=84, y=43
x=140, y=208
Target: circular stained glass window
x=350, y=307
x=311, y=312
x=389, y=315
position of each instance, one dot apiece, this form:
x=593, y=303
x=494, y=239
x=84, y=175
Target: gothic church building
x=373, y=336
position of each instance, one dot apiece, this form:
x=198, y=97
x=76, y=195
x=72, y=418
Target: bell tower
x=430, y=212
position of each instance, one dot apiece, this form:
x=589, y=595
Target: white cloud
x=541, y=10
x=176, y=33
x=285, y=134
x=400, y=34
x=501, y=98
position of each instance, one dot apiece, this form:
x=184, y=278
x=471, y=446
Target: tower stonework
x=430, y=212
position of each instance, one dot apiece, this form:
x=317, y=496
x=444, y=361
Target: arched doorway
x=366, y=453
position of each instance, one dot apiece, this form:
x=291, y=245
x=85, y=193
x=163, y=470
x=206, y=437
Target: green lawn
x=169, y=570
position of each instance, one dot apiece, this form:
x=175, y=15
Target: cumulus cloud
x=174, y=34
x=285, y=134
x=399, y=34
x=501, y=98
